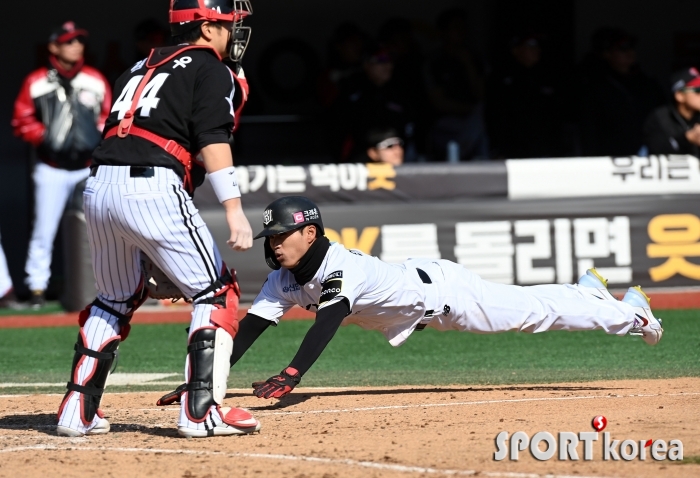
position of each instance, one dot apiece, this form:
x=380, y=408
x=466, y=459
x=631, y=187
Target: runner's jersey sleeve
x=187, y=100
x=270, y=303
x=343, y=277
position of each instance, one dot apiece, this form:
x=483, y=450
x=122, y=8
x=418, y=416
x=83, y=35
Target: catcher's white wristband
x=225, y=184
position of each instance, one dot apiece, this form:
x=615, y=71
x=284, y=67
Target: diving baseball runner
x=171, y=121
x=347, y=286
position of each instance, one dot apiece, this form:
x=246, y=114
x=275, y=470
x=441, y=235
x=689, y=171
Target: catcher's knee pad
x=209, y=353
x=225, y=302
x=91, y=388
x=132, y=304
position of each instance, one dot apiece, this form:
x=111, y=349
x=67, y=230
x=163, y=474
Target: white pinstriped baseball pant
x=155, y=215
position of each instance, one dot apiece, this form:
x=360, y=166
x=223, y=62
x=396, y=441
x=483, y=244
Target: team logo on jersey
x=139, y=65
x=267, y=217
x=183, y=62
x=291, y=288
x=331, y=288
x=334, y=275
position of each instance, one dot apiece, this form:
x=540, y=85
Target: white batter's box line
x=433, y=405
x=301, y=458
x=460, y=404
x=115, y=427
x=74, y=441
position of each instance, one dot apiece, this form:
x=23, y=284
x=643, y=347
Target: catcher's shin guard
x=91, y=388
x=209, y=352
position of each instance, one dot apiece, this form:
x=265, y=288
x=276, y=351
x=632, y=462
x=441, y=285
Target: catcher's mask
x=186, y=15
x=287, y=214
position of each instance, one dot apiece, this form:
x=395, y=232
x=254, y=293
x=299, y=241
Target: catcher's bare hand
x=241, y=238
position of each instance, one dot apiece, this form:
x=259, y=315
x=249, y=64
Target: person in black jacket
x=675, y=128
x=522, y=103
x=616, y=96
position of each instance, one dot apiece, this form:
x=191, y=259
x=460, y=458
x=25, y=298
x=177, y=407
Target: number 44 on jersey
x=149, y=98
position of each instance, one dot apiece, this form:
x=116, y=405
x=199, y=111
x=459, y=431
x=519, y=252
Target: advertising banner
x=352, y=183
x=515, y=179
x=606, y=176
x=650, y=241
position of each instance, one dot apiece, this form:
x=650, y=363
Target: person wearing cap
x=170, y=125
x=374, y=98
x=615, y=96
x=523, y=100
x=60, y=111
x=384, y=145
x=675, y=128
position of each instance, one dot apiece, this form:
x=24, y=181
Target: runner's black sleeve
x=328, y=320
x=250, y=328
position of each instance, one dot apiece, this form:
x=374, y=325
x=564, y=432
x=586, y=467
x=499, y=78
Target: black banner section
x=516, y=179
x=651, y=241
x=349, y=183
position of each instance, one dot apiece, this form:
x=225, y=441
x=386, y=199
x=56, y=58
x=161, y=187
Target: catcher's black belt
x=428, y=313
x=134, y=172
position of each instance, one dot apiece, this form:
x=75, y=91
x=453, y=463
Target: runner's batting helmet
x=186, y=15
x=287, y=214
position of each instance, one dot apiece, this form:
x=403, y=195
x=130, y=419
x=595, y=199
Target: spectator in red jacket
x=61, y=110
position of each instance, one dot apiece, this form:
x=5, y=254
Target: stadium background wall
x=659, y=26
x=636, y=219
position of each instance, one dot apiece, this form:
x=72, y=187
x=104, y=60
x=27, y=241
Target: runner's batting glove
x=279, y=385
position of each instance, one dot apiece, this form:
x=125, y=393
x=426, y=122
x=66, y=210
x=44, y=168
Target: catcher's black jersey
x=189, y=99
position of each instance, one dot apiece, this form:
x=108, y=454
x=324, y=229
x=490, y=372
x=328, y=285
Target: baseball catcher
x=347, y=286
x=170, y=124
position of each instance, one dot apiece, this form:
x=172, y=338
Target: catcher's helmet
x=287, y=214
x=186, y=15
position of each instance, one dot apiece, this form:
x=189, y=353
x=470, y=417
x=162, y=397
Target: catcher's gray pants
x=126, y=215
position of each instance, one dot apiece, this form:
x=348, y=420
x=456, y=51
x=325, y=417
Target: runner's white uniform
x=394, y=299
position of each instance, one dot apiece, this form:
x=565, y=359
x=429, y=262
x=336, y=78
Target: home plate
x=122, y=379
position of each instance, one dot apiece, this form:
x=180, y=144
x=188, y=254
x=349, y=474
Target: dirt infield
x=361, y=432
